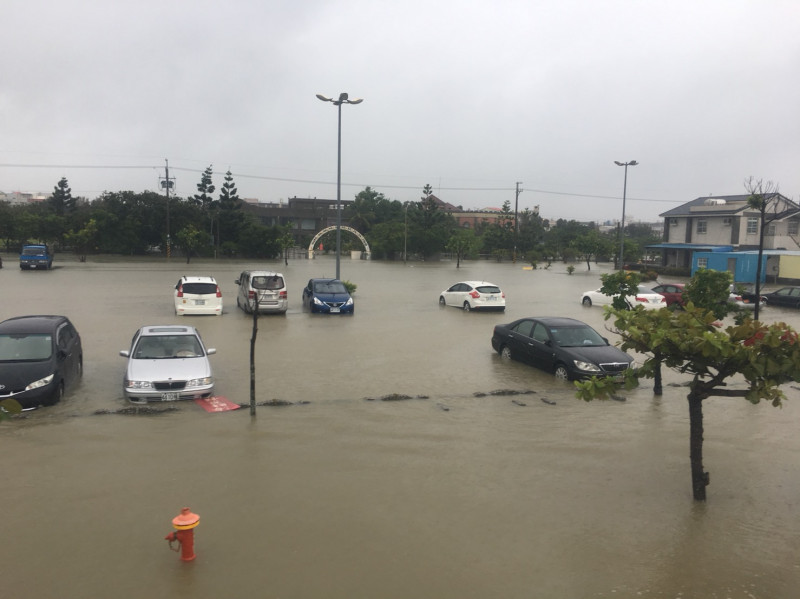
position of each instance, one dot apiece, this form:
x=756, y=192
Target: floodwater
x=455, y=492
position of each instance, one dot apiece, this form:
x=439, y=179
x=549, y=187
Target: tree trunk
x=657, y=387
x=253, y=357
x=700, y=479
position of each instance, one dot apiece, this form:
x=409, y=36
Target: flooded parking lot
x=457, y=492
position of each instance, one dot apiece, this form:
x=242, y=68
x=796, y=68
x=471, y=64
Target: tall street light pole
x=343, y=99
x=624, y=194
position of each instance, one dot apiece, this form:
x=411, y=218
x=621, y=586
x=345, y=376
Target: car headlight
x=206, y=380
x=138, y=384
x=586, y=366
x=318, y=302
x=349, y=301
x=40, y=383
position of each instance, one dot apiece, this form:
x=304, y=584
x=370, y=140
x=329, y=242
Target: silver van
x=268, y=287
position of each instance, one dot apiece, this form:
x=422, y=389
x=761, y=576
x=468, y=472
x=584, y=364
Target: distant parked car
x=40, y=357
x=36, y=256
x=569, y=348
x=269, y=287
x=328, y=296
x=474, y=295
x=645, y=297
x=672, y=292
x=197, y=295
x=786, y=296
x=167, y=363
x=744, y=295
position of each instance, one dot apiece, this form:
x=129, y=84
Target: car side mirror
x=125, y=353
x=606, y=340
x=211, y=350
x=237, y=282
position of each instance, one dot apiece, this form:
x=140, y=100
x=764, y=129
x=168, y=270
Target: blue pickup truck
x=36, y=256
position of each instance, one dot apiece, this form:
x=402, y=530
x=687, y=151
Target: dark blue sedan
x=328, y=296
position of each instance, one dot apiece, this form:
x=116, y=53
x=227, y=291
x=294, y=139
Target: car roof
x=324, y=280
x=263, y=273
x=198, y=279
x=32, y=324
x=557, y=321
x=168, y=329
x=476, y=283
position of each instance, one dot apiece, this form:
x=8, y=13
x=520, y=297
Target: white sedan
x=645, y=297
x=474, y=295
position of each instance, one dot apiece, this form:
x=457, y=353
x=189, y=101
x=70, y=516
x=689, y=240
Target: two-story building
x=728, y=229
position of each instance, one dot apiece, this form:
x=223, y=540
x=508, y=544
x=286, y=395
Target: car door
x=456, y=294
x=66, y=357
x=520, y=341
x=540, y=348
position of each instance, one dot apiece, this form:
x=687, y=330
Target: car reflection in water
x=568, y=348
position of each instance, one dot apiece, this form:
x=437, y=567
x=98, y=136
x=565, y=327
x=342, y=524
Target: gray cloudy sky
x=469, y=97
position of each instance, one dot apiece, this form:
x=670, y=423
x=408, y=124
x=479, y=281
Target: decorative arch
x=361, y=238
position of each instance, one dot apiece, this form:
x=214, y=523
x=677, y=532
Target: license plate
x=169, y=397
x=199, y=302
x=334, y=310
x=491, y=298
x=33, y=266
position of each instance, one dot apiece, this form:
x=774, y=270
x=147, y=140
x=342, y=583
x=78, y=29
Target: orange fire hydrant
x=184, y=524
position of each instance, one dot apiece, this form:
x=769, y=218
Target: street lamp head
x=629, y=163
x=343, y=97
x=356, y=101
x=632, y=163
x=323, y=98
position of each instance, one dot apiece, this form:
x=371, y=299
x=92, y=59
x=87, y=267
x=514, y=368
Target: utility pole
x=516, y=221
x=167, y=183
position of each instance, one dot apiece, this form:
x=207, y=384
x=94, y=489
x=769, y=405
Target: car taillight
x=503, y=295
x=738, y=298
x=641, y=299
x=180, y=291
x=283, y=294
x=251, y=294
x=219, y=293
x=474, y=294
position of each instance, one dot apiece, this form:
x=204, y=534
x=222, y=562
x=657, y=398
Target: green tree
x=83, y=240
x=710, y=289
x=61, y=201
x=190, y=239
x=463, y=242
x=361, y=213
x=692, y=342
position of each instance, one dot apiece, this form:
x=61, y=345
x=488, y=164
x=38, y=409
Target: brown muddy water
x=454, y=493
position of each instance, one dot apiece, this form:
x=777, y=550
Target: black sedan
x=569, y=348
x=39, y=357
x=786, y=296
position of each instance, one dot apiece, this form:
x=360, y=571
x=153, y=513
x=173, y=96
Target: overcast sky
x=469, y=97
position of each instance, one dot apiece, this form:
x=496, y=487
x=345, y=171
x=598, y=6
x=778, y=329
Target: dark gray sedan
x=569, y=348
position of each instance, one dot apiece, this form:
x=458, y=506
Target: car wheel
x=467, y=307
x=59, y=393
x=561, y=372
x=441, y=301
x=505, y=353
x=587, y=301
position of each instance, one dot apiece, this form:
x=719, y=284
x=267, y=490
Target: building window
x=770, y=229
x=673, y=222
x=792, y=227
x=752, y=225
x=702, y=226
x=702, y=263
x=726, y=222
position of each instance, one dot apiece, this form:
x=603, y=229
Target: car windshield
x=488, y=289
x=576, y=337
x=645, y=289
x=25, y=347
x=267, y=283
x=199, y=288
x=32, y=251
x=152, y=347
x=329, y=287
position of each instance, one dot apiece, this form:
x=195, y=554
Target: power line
x=318, y=182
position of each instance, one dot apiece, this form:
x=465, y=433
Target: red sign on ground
x=217, y=404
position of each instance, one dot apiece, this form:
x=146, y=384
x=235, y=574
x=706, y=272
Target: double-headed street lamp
x=343, y=99
x=624, y=193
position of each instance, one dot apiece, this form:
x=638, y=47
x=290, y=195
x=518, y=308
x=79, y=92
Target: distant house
x=714, y=224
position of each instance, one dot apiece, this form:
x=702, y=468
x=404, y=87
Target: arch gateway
x=361, y=238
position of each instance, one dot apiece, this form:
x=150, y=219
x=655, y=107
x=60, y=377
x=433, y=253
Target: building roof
x=717, y=205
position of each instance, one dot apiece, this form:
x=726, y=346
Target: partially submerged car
x=645, y=297
x=785, y=296
x=197, y=295
x=167, y=363
x=40, y=357
x=36, y=256
x=328, y=296
x=262, y=287
x=474, y=295
x=569, y=348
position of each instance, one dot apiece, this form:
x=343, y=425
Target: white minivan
x=269, y=287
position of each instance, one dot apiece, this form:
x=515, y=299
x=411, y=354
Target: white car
x=167, y=363
x=474, y=295
x=645, y=297
x=197, y=295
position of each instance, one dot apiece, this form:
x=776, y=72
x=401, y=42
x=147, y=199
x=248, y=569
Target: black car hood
x=599, y=354
x=15, y=376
